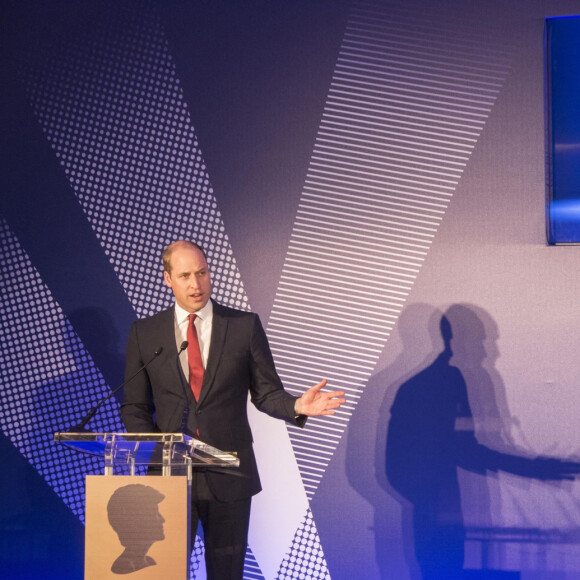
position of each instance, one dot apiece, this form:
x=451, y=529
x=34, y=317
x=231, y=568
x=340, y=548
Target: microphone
x=80, y=428
x=185, y=417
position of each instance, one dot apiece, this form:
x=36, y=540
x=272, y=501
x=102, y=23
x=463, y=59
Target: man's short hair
x=129, y=504
x=179, y=244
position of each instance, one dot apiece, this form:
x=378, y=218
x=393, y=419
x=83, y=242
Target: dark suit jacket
x=239, y=362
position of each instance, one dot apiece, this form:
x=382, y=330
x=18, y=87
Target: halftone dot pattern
x=197, y=555
x=306, y=558
x=48, y=380
x=112, y=108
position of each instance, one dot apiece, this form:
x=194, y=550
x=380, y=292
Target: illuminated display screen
x=563, y=129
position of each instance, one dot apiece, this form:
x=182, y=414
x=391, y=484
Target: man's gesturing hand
x=314, y=402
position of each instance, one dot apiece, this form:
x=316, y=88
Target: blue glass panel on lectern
x=563, y=129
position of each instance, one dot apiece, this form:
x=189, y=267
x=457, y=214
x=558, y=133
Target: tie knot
x=192, y=318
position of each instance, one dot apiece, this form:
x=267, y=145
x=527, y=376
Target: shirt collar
x=204, y=313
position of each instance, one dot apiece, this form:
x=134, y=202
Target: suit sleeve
x=137, y=409
x=267, y=391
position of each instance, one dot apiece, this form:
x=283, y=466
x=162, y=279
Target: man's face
x=156, y=523
x=189, y=278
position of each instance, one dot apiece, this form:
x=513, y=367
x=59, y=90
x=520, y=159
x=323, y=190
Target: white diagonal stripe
x=398, y=127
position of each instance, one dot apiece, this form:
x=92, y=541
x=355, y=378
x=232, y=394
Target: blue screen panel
x=563, y=130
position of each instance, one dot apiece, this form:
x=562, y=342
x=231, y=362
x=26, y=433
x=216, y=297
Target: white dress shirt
x=203, y=325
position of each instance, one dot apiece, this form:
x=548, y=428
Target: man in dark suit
x=236, y=359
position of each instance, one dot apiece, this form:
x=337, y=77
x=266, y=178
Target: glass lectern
x=141, y=522
x=129, y=450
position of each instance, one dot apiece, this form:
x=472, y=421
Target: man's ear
x=167, y=278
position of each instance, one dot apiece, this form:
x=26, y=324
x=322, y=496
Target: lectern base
x=137, y=523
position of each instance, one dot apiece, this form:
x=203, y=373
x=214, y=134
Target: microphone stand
x=185, y=417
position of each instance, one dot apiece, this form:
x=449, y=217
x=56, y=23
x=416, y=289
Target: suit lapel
x=167, y=332
x=218, y=337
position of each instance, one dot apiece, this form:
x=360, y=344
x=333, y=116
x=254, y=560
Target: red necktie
x=194, y=358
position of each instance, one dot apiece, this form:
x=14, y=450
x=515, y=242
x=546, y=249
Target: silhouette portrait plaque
x=136, y=528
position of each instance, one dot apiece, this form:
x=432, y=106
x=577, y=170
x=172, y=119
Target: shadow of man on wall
x=431, y=433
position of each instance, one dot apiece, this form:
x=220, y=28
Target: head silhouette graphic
x=133, y=512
